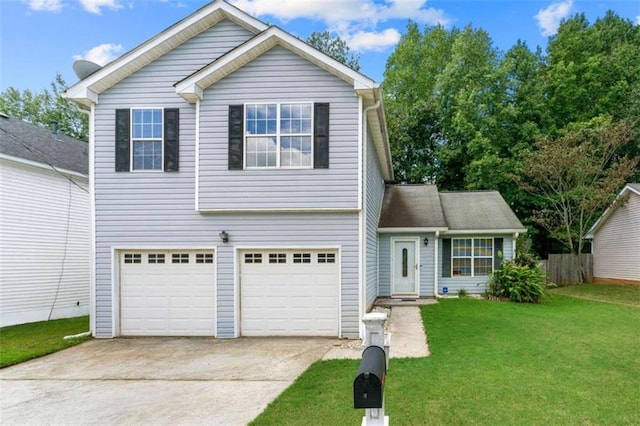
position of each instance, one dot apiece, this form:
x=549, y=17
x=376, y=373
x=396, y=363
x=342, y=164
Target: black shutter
x=171, y=139
x=498, y=254
x=446, y=257
x=123, y=145
x=321, y=136
x=236, y=137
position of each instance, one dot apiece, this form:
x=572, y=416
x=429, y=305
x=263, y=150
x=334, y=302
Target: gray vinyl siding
x=279, y=76
x=616, y=245
x=156, y=209
x=426, y=263
x=473, y=285
x=374, y=194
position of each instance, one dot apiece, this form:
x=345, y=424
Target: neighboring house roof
x=412, y=206
x=27, y=141
x=478, y=211
x=630, y=188
x=422, y=207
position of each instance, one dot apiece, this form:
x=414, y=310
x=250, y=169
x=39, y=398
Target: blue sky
x=42, y=37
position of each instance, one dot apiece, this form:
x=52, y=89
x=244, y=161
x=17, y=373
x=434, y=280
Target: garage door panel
x=167, y=299
x=293, y=298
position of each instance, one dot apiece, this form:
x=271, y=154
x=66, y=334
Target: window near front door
x=471, y=257
x=278, y=135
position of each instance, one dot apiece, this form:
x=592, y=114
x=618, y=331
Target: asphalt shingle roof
x=422, y=206
x=411, y=206
x=30, y=142
x=477, y=210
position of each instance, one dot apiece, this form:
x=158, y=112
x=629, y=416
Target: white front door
x=405, y=267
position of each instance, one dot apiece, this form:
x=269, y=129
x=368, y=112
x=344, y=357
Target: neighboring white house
x=616, y=239
x=44, y=224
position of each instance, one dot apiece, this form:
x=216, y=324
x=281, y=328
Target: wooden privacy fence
x=564, y=269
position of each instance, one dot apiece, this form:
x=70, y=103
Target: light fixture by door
x=224, y=236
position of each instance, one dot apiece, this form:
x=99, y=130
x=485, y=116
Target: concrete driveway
x=156, y=380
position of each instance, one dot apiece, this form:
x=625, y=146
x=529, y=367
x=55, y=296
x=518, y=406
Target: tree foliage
x=46, y=107
x=335, y=47
x=464, y=115
x=577, y=175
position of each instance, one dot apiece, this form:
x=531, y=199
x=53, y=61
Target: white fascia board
x=42, y=166
x=484, y=231
x=164, y=42
x=416, y=230
x=82, y=95
x=250, y=50
x=602, y=219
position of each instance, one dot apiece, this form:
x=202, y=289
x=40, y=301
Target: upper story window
x=272, y=135
x=146, y=139
x=471, y=257
x=279, y=135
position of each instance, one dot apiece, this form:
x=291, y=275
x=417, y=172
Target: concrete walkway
x=408, y=338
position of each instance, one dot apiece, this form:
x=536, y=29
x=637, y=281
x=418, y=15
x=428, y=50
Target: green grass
x=23, y=342
x=567, y=361
x=627, y=295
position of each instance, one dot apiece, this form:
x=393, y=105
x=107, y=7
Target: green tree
x=46, y=107
x=335, y=47
x=577, y=175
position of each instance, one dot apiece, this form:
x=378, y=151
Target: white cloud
x=376, y=41
x=638, y=20
x=95, y=6
x=549, y=18
x=101, y=54
x=45, y=5
x=354, y=21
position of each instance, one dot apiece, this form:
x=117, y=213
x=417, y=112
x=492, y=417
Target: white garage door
x=167, y=293
x=289, y=293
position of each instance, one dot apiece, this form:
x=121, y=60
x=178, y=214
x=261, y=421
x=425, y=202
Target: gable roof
x=191, y=88
x=479, y=211
x=27, y=141
x=630, y=188
x=412, y=206
x=87, y=90
x=423, y=208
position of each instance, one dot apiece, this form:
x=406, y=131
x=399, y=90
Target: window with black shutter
x=279, y=135
x=147, y=139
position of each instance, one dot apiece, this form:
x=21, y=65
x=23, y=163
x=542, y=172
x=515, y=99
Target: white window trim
x=473, y=257
x=278, y=136
x=132, y=141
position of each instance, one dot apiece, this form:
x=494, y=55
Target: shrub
x=462, y=293
x=518, y=283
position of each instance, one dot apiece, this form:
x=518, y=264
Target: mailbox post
x=368, y=386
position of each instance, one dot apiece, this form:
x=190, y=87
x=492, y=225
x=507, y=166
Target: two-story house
x=237, y=180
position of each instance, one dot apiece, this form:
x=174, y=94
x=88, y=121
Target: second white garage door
x=289, y=293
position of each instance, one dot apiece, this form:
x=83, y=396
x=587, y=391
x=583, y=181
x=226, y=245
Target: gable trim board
x=86, y=91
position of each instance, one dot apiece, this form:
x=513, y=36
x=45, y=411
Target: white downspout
x=363, y=214
x=92, y=211
x=435, y=264
x=513, y=245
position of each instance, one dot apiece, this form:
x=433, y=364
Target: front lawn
x=568, y=361
x=609, y=293
x=23, y=342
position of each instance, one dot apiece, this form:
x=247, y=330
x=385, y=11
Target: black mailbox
x=368, y=385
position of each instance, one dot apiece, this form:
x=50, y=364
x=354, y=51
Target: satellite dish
x=84, y=68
